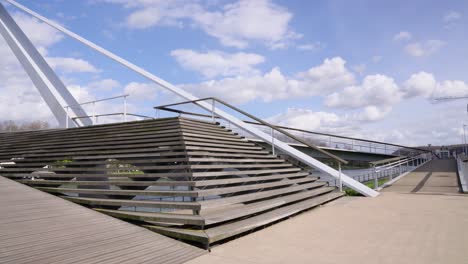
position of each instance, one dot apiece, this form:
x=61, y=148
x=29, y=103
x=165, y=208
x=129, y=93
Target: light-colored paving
x=37, y=227
x=396, y=227
x=434, y=177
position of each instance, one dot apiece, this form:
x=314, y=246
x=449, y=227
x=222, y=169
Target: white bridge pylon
x=350, y=182
x=47, y=82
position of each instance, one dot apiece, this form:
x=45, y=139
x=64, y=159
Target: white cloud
x=320, y=80
x=141, y=91
x=327, y=122
x=315, y=46
x=451, y=89
x=402, y=36
x=451, y=19
x=426, y=48
x=104, y=85
x=309, y=120
x=234, y=25
x=372, y=113
x=332, y=74
x=452, y=16
x=420, y=84
x=425, y=85
x=39, y=33
x=216, y=63
x=375, y=90
x=71, y=65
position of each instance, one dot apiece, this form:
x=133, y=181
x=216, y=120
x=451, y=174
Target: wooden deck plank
x=47, y=236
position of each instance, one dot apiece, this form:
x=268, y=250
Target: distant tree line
x=11, y=126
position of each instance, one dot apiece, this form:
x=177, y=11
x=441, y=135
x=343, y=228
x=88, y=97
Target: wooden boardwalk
x=36, y=227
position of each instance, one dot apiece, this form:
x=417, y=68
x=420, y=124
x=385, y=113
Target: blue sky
x=360, y=68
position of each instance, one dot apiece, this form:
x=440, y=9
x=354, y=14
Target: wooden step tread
x=259, y=195
x=250, y=187
x=243, y=172
x=104, y=176
x=120, y=192
x=155, y=217
x=132, y=203
x=223, y=231
x=229, y=230
x=179, y=233
x=253, y=208
x=249, y=179
x=108, y=182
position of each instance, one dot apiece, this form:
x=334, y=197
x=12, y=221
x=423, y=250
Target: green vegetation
x=370, y=184
x=60, y=164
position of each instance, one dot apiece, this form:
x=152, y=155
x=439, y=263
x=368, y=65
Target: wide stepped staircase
x=184, y=178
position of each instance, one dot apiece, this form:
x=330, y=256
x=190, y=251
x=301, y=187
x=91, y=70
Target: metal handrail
x=374, y=163
x=93, y=102
x=273, y=127
x=100, y=100
x=301, y=130
x=113, y=114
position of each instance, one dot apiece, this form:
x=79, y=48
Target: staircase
x=185, y=178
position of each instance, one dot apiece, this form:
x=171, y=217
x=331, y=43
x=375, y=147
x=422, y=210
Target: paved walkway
x=36, y=227
x=435, y=177
x=399, y=226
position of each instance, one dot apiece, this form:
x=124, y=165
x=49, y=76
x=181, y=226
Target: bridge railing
x=386, y=170
x=95, y=116
x=321, y=140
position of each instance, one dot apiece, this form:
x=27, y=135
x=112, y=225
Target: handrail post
x=94, y=112
x=273, y=141
x=213, y=110
x=376, y=180
x=67, y=113
x=340, y=182
x=399, y=169
x=125, y=109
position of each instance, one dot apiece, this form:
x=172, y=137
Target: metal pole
x=94, y=112
x=213, y=102
x=273, y=141
x=125, y=109
x=339, y=177
x=376, y=180
x=66, y=121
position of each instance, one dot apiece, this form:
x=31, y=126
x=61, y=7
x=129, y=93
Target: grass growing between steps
x=370, y=184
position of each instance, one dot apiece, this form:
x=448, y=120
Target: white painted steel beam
x=43, y=77
x=348, y=181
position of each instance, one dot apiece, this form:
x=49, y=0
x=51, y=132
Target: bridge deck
x=434, y=177
x=396, y=227
x=37, y=227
